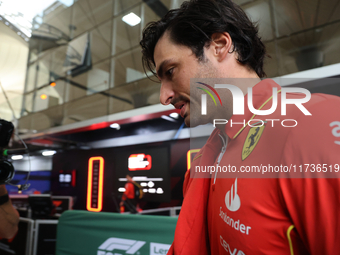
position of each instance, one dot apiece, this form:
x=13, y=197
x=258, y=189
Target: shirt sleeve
x=313, y=199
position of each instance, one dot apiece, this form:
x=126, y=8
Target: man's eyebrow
x=160, y=71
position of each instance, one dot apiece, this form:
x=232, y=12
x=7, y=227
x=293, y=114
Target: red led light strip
x=95, y=184
x=73, y=181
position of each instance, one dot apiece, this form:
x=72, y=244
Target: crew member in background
x=9, y=216
x=129, y=202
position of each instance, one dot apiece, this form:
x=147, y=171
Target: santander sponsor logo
x=232, y=199
x=233, y=203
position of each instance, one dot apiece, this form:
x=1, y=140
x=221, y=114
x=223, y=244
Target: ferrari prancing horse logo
x=252, y=139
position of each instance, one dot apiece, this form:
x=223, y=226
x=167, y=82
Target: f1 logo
x=111, y=244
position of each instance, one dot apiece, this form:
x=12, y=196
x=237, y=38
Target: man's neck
x=221, y=127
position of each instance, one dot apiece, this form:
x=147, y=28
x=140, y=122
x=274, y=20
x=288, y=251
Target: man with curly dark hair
x=202, y=35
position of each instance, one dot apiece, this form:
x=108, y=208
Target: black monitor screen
x=41, y=205
x=149, y=168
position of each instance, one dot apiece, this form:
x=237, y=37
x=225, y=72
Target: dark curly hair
x=193, y=25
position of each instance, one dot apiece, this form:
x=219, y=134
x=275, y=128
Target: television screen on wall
x=149, y=167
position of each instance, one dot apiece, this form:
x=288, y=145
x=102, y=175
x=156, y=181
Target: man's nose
x=166, y=93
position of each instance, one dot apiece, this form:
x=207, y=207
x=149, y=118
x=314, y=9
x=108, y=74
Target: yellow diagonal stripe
x=206, y=91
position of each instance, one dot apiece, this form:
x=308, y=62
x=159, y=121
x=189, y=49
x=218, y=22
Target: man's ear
x=221, y=45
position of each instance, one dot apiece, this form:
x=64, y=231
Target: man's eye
x=169, y=72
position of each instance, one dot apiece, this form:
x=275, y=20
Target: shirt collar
x=262, y=93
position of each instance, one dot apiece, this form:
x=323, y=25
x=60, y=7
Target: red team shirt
x=129, y=192
x=238, y=215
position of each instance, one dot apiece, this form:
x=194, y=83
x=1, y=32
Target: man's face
x=175, y=65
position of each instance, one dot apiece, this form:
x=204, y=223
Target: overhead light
x=174, y=115
x=49, y=153
x=17, y=157
x=43, y=96
x=131, y=19
x=165, y=117
x=52, y=84
x=115, y=125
